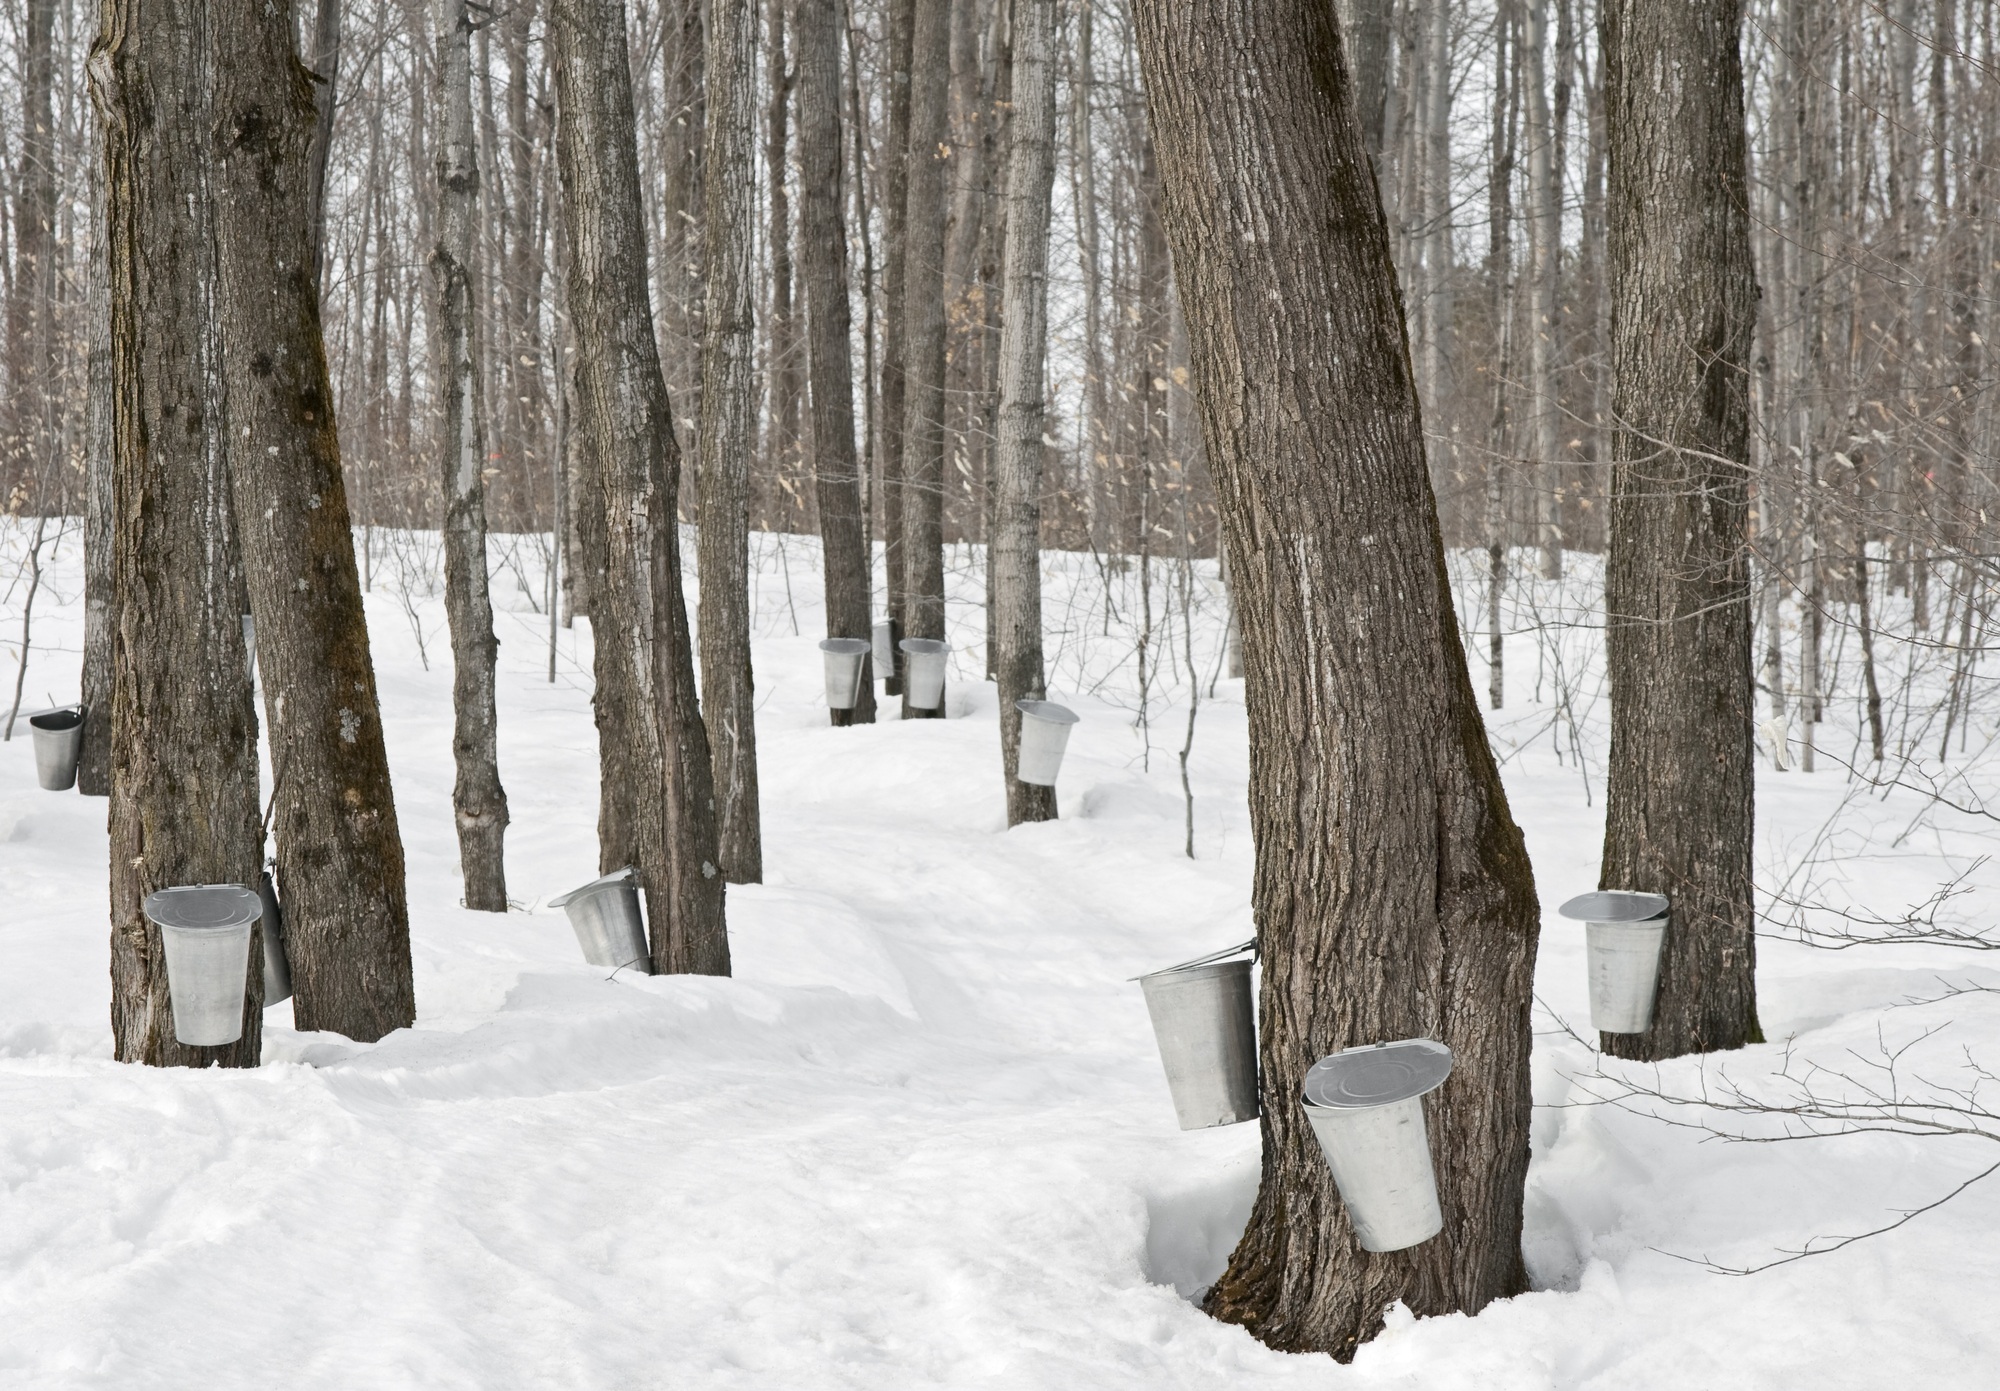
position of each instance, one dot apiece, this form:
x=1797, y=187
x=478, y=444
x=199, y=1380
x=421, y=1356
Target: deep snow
x=921, y=1138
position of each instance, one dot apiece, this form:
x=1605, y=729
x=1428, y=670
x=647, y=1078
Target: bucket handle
x=1238, y=950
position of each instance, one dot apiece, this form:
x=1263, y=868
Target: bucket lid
x=205, y=906
x=853, y=647
x=924, y=646
x=1047, y=710
x=60, y=718
x=1378, y=1074
x=616, y=877
x=1615, y=906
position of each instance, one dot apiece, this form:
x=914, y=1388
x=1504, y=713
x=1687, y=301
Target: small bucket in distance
x=1045, y=728
x=58, y=737
x=1624, y=934
x=605, y=916
x=923, y=679
x=842, y=658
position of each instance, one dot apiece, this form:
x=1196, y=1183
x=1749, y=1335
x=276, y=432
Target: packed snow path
x=921, y=1139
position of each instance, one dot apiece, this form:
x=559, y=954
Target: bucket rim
x=1373, y=1075
x=848, y=647
x=925, y=647
x=629, y=874
x=175, y=907
x=1615, y=906
x=75, y=713
x=1214, y=958
x=1048, y=710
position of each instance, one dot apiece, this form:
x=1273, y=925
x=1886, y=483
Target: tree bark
x=923, y=332
x=657, y=808
x=93, y=769
x=823, y=238
x=1017, y=503
x=727, y=432
x=784, y=501
x=325, y=66
x=1544, y=255
x=183, y=726
x=478, y=801
x=340, y=854
x=1677, y=598
x=901, y=22
x=1392, y=891
x=27, y=477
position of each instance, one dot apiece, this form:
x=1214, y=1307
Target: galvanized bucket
x=1206, y=1029
x=205, y=934
x=923, y=680
x=58, y=742
x=1045, y=729
x=605, y=915
x=1367, y=1111
x=843, y=658
x=1623, y=933
x=277, y=967
x=885, y=649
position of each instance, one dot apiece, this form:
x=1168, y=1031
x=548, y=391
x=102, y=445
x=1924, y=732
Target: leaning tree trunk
x=478, y=801
x=340, y=854
x=923, y=331
x=1392, y=891
x=1017, y=500
x=657, y=808
x=1677, y=580
x=830, y=371
x=728, y=422
x=183, y=730
x=93, y=769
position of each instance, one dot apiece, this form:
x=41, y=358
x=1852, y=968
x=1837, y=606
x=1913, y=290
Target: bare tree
x=1677, y=597
x=1393, y=894
x=728, y=429
x=93, y=769
x=340, y=854
x=823, y=240
x=923, y=333
x=657, y=807
x=478, y=801
x=184, y=729
x=1017, y=503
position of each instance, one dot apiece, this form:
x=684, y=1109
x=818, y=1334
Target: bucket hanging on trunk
x=1623, y=934
x=1206, y=1028
x=605, y=916
x=1367, y=1111
x=205, y=937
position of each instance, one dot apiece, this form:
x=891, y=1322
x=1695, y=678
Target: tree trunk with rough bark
x=184, y=728
x=727, y=432
x=1677, y=591
x=340, y=854
x=657, y=808
x=1017, y=502
x=923, y=331
x=28, y=474
x=830, y=372
x=1392, y=892
x=901, y=22
x=478, y=801
x=93, y=769
x=324, y=63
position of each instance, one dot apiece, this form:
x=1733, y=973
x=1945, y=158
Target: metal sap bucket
x=843, y=658
x=1623, y=933
x=277, y=967
x=1045, y=729
x=923, y=678
x=1367, y=1111
x=205, y=934
x=58, y=743
x=605, y=915
x=1206, y=1028
x=885, y=650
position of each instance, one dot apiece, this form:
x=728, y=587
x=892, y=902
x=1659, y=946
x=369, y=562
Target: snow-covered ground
x=921, y=1138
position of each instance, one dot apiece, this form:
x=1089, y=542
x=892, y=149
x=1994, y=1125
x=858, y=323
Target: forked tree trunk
x=340, y=855
x=657, y=807
x=1017, y=502
x=478, y=801
x=923, y=332
x=836, y=469
x=93, y=769
x=183, y=731
x=1677, y=582
x=1392, y=892
x=728, y=425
